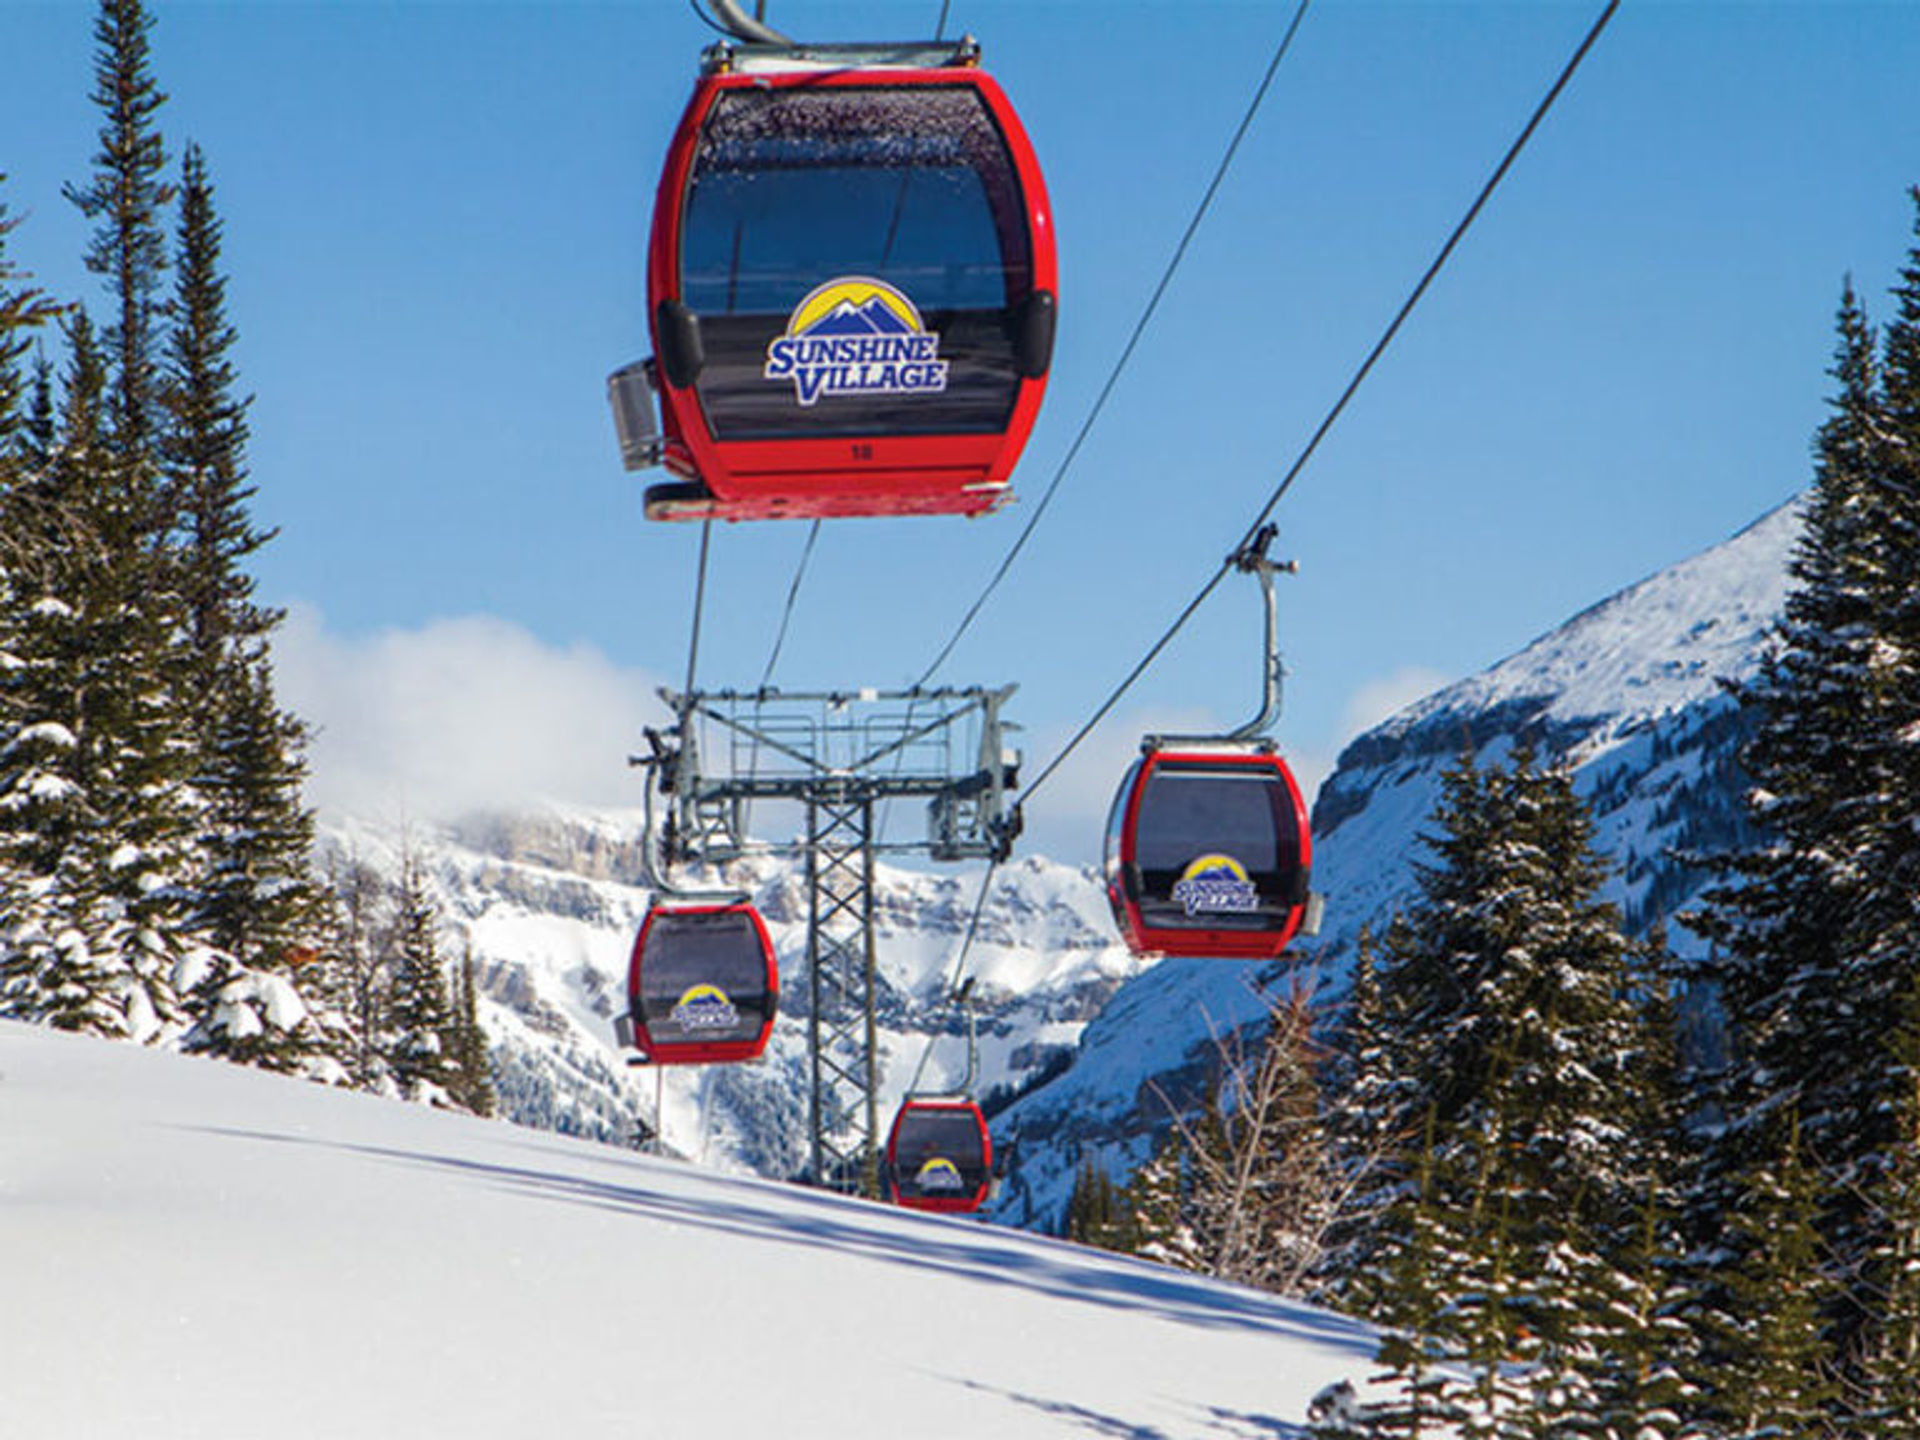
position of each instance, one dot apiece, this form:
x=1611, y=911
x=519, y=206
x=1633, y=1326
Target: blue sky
x=436, y=222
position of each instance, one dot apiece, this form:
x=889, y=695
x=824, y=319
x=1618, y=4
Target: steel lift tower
x=837, y=755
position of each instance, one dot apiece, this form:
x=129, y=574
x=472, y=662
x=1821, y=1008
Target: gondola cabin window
x=702, y=985
x=939, y=1156
x=884, y=226
x=1208, y=855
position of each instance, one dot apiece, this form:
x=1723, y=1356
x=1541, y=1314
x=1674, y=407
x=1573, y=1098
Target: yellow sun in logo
x=1214, y=865
x=854, y=292
x=939, y=1173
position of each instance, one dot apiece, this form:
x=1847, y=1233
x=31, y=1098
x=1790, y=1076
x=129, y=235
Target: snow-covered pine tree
x=419, y=1012
x=1886, y=1402
x=1814, y=933
x=1156, y=1204
x=1519, y=1019
x=1775, y=1373
x=23, y=499
x=353, y=976
x=255, y=899
x=1422, y=1340
x=473, y=1089
x=256, y=994
x=1371, y=1135
x=91, y=816
x=107, y=673
x=1644, y=1353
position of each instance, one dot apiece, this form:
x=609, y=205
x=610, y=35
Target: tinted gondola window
x=1243, y=815
x=703, y=977
x=794, y=188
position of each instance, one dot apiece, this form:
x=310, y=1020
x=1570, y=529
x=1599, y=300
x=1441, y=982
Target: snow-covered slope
x=550, y=905
x=1628, y=692
x=188, y=1249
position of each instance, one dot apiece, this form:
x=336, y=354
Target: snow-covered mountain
x=1628, y=692
x=550, y=905
x=1093, y=1045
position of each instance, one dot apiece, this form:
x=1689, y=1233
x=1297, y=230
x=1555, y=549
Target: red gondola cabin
x=1209, y=854
x=851, y=291
x=703, y=985
x=939, y=1156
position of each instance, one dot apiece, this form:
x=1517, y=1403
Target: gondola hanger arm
x=752, y=40
x=737, y=22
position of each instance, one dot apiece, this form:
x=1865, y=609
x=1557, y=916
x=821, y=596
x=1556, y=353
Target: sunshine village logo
x=1215, y=885
x=939, y=1174
x=705, y=1007
x=856, y=336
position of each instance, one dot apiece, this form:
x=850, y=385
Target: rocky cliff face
x=550, y=905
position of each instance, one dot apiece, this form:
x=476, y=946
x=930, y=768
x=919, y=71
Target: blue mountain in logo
x=873, y=318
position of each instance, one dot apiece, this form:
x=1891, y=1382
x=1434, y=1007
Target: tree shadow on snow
x=1227, y=1424
x=793, y=1215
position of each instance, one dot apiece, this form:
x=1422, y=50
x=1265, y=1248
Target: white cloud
x=460, y=715
x=1380, y=699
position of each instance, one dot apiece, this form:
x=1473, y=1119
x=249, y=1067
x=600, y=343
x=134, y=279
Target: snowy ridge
x=1653, y=648
x=1629, y=692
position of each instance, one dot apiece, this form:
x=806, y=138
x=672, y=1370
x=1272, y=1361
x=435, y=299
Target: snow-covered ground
x=188, y=1249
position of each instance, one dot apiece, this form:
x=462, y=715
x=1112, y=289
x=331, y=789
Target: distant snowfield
x=188, y=1249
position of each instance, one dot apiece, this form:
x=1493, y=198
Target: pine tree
x=259, y=900
x=97, y=818
x=1887, y=1405
x=90, y=815
x=204, y=444
x=1156, y=1204
x=1631, y=1322
x=1814, y=933
x=1512, y=1007
x=467, y=1043
x=1422, y=1338
x=419, y=1011
x=1371, y=1132
x=354, y=982
x=23, y=308
x=1775, y=1374
x=127, y=197
x=1092, y=1206
x=1516, y=995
